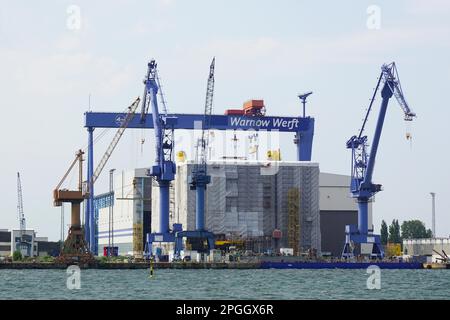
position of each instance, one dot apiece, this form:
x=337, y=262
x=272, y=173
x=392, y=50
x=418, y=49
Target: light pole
x=303, y=100
x=111, y=214
x=433, y=213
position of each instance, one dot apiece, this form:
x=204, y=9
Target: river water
x=224, y=284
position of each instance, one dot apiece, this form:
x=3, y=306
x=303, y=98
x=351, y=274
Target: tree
x=394, y=232
x=415, y=229
x=398, y=237
x=17, y=255
x=384, y=232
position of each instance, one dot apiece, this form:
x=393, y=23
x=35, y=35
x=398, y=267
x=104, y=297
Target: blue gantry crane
x=164, y=168
x=164, y=125
x=359, y=241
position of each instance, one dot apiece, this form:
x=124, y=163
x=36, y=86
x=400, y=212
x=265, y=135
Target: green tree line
x=411, y=229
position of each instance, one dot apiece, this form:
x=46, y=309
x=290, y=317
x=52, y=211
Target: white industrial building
x=25, y=242
x=434, y=248
x=130, y=213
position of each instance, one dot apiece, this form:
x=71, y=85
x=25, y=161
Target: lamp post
x=433, y=213
x=111, y=214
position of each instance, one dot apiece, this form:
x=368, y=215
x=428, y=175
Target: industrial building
x=27, y=243
x=337, y=209
x=129, y=205
x=426, y=247
x=253, y=200
x=5, y=242
x=257, y=202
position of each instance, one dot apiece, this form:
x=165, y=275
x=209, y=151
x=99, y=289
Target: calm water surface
x=225, y=284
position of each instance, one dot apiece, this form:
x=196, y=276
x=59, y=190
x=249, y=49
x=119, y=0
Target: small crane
x=20, y=213
x=23, y=244
x=75, y=247
x=362, y=188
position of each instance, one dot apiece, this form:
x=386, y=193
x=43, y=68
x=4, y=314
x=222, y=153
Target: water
x=225, y=284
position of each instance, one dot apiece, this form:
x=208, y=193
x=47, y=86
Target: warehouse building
x=426, y=247
x=27, y=243
x=337, y=209
x=129, y=206
x=5, y=243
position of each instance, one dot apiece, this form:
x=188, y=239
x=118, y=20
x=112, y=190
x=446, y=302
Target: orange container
x=257, y=104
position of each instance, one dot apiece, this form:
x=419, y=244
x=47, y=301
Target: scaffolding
x=249, y=200
x=293, y=220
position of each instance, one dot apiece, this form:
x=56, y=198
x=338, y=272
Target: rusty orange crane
x=75, y=248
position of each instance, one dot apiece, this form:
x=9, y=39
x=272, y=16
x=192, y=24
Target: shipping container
x=253, y=104
x=234, y=112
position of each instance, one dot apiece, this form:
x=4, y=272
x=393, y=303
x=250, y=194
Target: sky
x=59, y=59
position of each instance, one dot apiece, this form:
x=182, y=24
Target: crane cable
x=97, y=139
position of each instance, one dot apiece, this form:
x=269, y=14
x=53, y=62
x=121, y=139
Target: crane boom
x=20, y=213
x=392, y=78
x=124, y=124
x=69, y=170
x=202, y=145
x=65, y=195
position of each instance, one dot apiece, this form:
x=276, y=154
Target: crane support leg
x=75, y=248
x=200, y=209
x=164, y=206
x=205, y=238
x=89, y=171
x=89, y=221
x=304, y=140
x=75, y=215
x=363, y=217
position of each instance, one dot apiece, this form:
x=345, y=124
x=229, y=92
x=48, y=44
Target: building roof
x=334, y=180
x=240, y=162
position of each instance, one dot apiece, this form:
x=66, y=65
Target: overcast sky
x=51, y=62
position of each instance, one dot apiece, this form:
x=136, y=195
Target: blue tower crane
x=199, y=178
x=164, y=168
x=358, y=239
